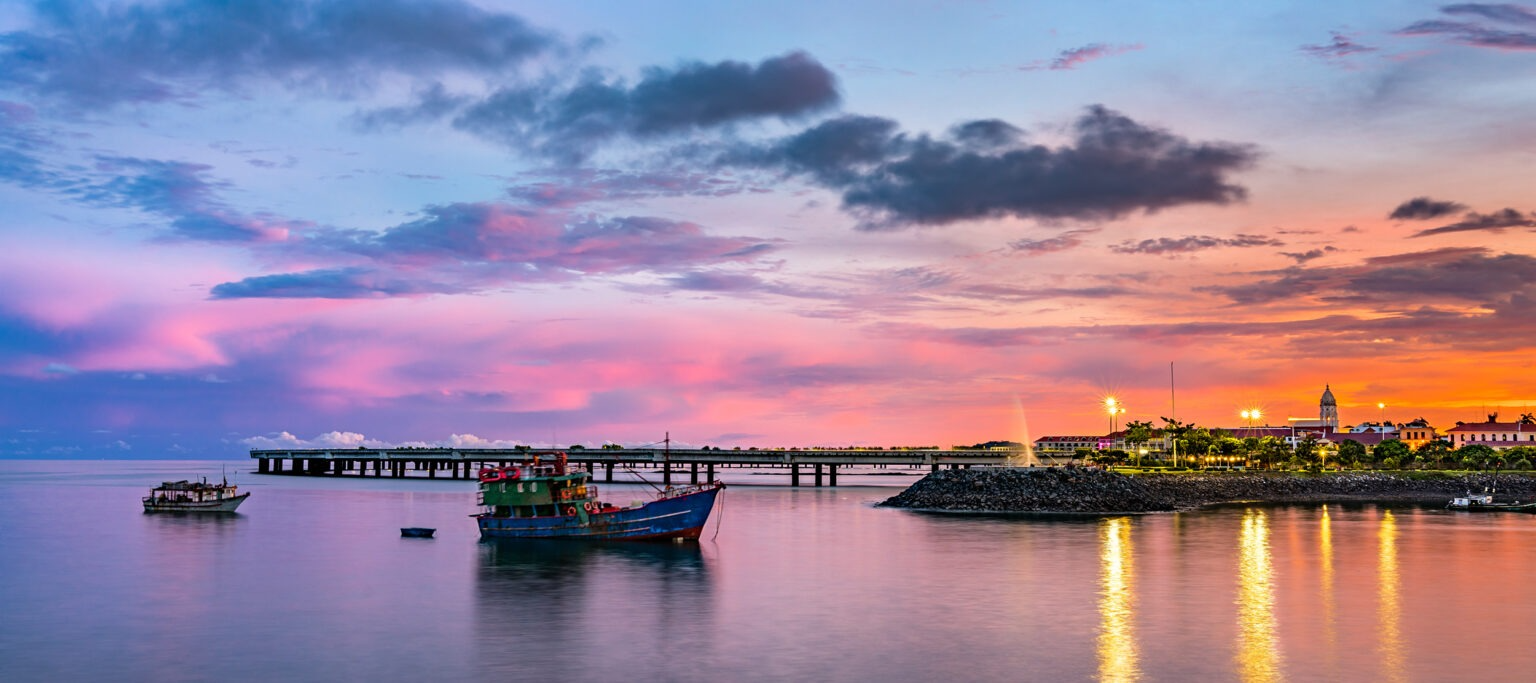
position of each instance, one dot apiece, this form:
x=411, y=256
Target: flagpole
x=1173, y=408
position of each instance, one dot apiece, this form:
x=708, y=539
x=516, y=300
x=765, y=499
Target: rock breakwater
x=1094, y=491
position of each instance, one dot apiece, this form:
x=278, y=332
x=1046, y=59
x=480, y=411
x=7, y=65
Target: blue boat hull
x=681, y=517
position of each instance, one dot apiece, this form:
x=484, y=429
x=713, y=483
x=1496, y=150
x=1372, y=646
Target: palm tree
x=1137, y=433
x=1175, y=431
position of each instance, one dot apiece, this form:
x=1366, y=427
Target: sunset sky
x=378, y=222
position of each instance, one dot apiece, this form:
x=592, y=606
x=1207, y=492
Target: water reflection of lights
x=1258, y=654
x=1391, y=612
x=1325, y=577
x=1117, y=633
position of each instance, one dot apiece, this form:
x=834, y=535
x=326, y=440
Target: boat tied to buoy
x=543, y=498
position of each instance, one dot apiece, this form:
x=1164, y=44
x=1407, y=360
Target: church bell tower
x=1328, y=409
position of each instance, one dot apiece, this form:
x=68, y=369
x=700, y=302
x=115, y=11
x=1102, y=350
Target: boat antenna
x=666, y=458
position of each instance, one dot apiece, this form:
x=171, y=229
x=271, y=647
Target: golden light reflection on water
x=1325, y=578
x=1258, y=653
x=1118, y=659
x=1391, y=612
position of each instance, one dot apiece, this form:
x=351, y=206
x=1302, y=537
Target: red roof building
x=1494, y=434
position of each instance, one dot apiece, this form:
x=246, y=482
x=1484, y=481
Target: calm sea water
x=312, y=582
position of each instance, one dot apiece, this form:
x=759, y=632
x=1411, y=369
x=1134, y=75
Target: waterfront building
x=1281, y=433
x=1494, y=434
x=1417, y=433
x=1056, y=448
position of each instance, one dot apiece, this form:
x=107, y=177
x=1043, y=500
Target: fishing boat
x=1484, y=503
x=194, y=496
x=542, y=498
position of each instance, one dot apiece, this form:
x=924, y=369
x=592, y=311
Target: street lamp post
x=1252, y=415
x=1115, y=410
x=1381, y=413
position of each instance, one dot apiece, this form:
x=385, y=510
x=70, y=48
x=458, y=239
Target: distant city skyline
x=228, y=225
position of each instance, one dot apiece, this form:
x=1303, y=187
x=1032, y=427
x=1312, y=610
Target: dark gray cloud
x=1342, y=45
x=432, y=103
x=181, y=192
x=717, y=282
x=1163, y=246
x=1497, y=221
x=19, y=143
x=1478, y=34
x=329, y=283
x=736, y=284
x=541, y=241
x=837, y=152
x=1424, y=208
x=1071, y=239
x=986, y=134
x=1309, y=255
x=1459, y=275
x=92, y=55
x=1014, y=294
x=576, y=186
x=25, y=341
x=1507, y=13
x=471, y=246
x=1113, y=166
x=570, y=122
x=1332, y=335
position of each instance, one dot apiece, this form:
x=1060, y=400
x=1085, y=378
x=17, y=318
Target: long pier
x=464, y=463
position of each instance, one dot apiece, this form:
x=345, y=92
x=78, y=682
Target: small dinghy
x=416, y=532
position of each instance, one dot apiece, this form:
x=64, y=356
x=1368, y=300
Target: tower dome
x=1328, y=409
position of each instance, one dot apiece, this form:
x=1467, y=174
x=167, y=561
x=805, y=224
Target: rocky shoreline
x=1095, y=491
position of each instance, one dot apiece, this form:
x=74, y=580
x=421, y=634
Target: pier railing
x=463, y=463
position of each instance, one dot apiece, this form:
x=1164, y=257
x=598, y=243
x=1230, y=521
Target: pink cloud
x=1072, y=58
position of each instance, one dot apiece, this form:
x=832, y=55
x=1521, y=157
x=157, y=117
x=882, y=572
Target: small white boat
x=1484, y=503
x=1470, y=501
x=190, y=496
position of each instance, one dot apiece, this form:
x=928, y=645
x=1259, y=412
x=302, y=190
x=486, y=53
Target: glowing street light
x=1382, y=413
x=1115, y=410
x=1251, y=416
